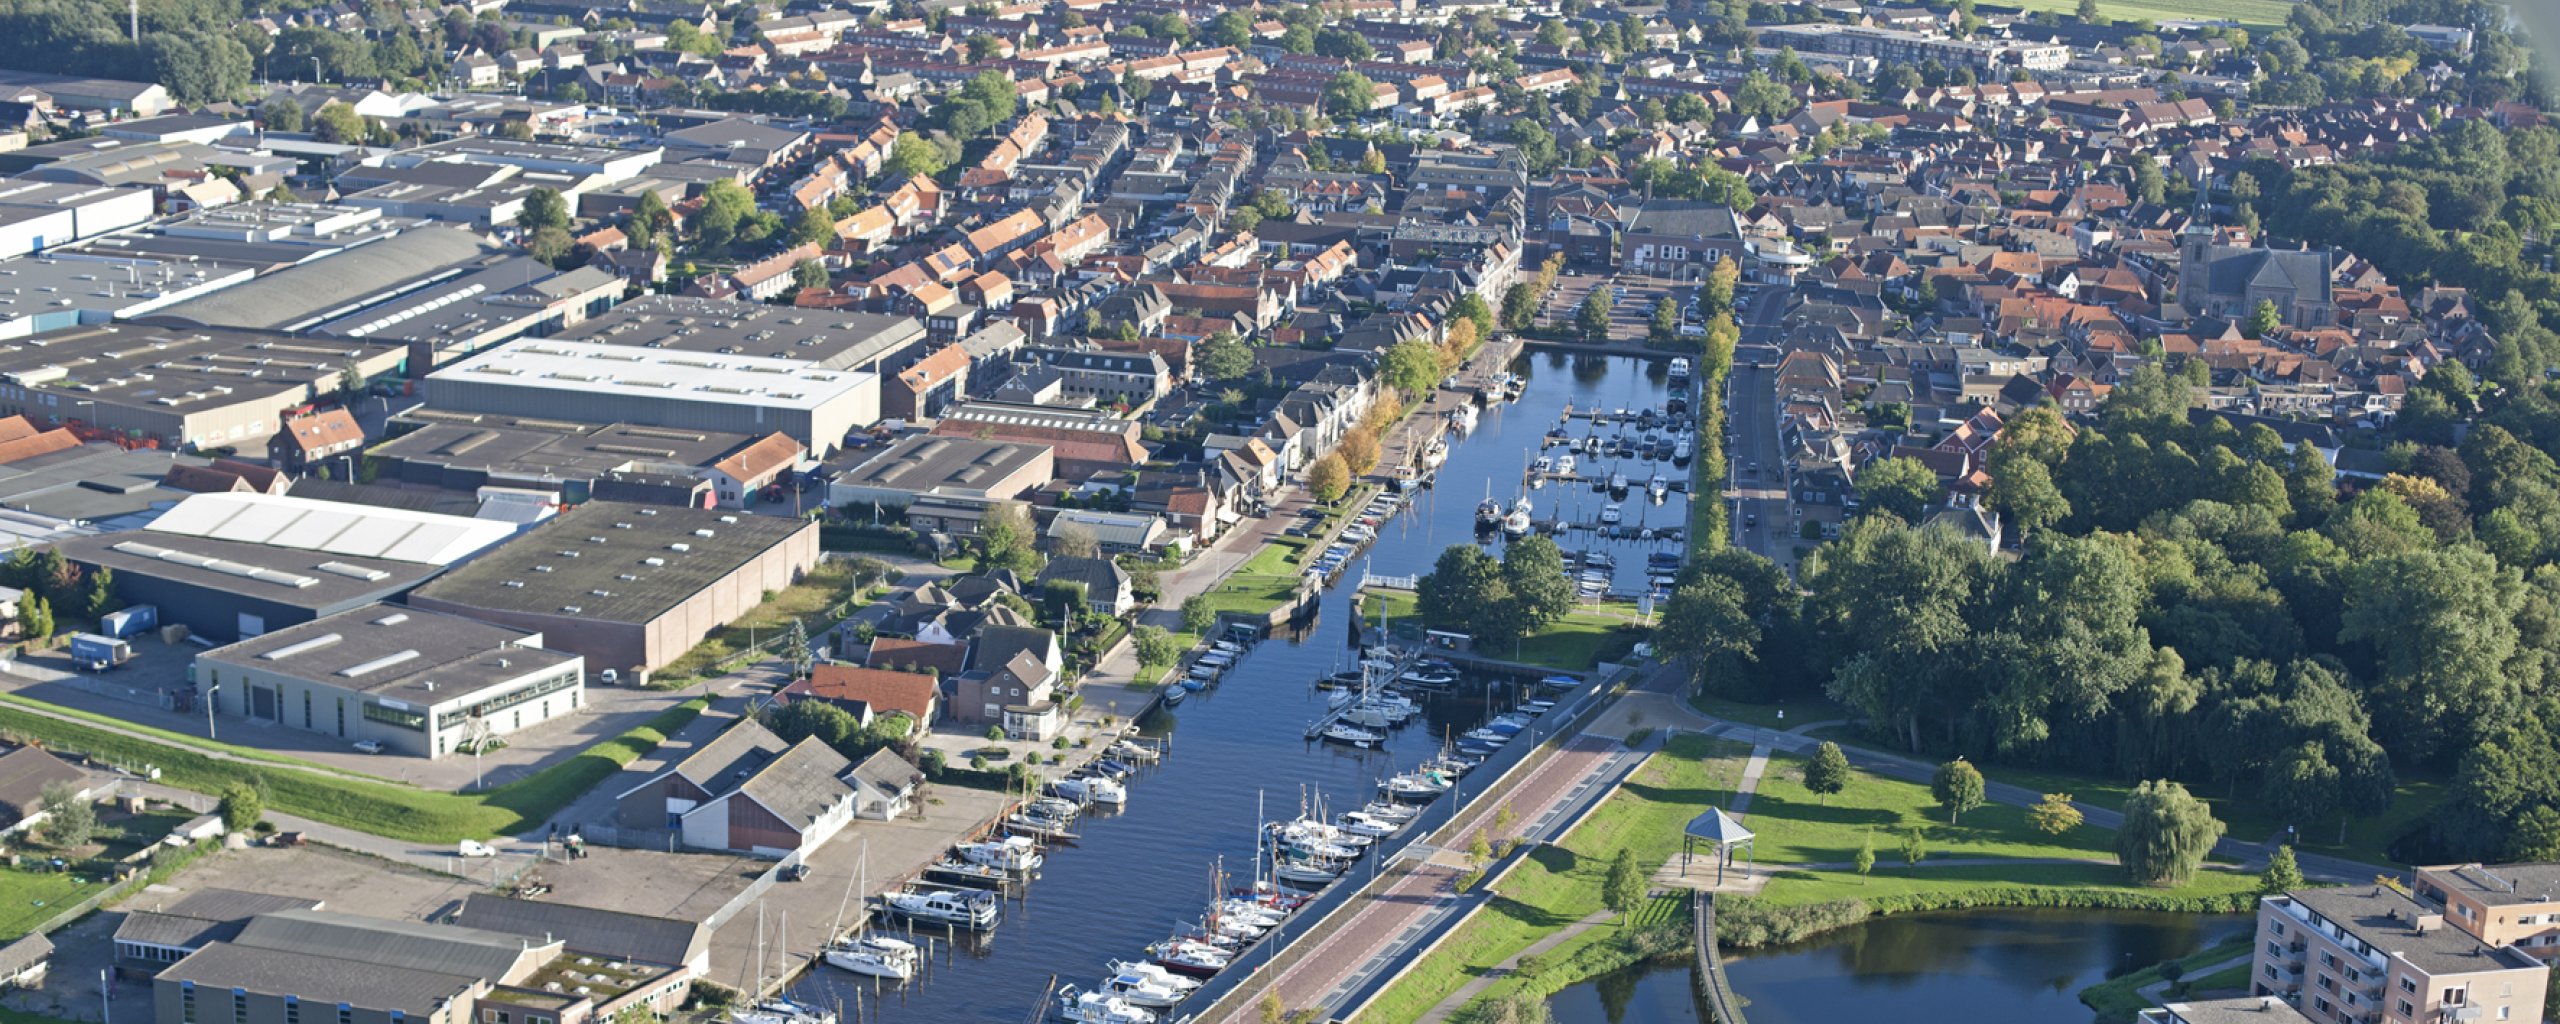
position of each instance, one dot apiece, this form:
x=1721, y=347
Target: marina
x=1132, y=879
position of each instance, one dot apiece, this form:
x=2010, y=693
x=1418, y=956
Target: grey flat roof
x=2503, y=884
x=575, y=564
x=519, y=445
x=2385, y=919
x=299, y=296
x=319, y=979
x=832, y=339
x=664, y=941
x=174, y=370
x=139, y=554
x=93, y=482
x=2234, y=1010
x=923, y=462
x=406, y=654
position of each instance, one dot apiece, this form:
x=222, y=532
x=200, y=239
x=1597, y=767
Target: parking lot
x=137, y=690
x=1631, y=308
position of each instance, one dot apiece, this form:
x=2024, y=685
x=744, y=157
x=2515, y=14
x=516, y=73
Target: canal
x=1135, y=876
x=1958, y=967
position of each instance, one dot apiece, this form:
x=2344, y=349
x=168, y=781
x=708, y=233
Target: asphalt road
x=1760, y=519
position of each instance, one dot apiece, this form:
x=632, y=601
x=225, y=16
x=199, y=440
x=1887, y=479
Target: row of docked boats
x=1209, y=663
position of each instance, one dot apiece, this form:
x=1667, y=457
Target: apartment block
x=2504, y=904
x=2375, y=955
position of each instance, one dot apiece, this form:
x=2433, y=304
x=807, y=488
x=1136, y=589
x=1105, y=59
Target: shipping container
x=99, y=653
x=131, y=622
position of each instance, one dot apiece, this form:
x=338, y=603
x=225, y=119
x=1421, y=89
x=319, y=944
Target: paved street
x=1761, y=522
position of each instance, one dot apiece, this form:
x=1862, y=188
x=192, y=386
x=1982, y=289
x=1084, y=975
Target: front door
x=262, y=703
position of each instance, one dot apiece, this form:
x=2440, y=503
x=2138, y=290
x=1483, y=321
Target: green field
x=1589, y=634
x=1797, y=827
x=2252, y=13
x=1560, y=884
x=2118, y=999
x=2367, y=838
x=380, y=808
x=30, y=898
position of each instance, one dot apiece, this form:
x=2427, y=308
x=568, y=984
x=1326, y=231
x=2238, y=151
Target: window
x=293, y=1010
x=2404, y=1009
x=2408, y=985
x=187, y=1002
x=2454, y=996
x=2277, y=927
x=346, y=1014
x=240, y=1006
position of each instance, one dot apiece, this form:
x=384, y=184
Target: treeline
x=2196, y=602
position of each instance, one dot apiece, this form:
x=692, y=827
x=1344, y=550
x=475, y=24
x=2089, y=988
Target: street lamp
x=211, y=694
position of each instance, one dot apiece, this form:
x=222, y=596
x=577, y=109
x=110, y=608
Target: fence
x=1711, y=980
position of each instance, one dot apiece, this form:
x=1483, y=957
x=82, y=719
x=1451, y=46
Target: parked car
x=475, y=848
x=368, y=746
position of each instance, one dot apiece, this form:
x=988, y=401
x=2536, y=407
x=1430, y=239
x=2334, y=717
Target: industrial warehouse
x=595, y=383
x=629, y=587
x=410, y=680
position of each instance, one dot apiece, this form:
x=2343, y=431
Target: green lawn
x=2228, y=979
x=2366, y=838
x=30, y=898
x=1586, y=636
x=2118, y=999
x=2252, y=13
x=380, y=808
x=1560, y=884
x=1796, y=827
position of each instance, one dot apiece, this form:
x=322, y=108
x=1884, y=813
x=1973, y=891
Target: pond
x=1972, y=967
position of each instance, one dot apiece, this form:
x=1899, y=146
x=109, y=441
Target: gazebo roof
x=1717, y=827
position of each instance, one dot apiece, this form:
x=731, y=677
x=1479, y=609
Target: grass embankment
x=380, y=808
x=2119, y=998
x=1586, y=636
x=826, y=586
x=172, y=736
x=1560, y=884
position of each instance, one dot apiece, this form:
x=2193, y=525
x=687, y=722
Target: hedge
x=1743, y=922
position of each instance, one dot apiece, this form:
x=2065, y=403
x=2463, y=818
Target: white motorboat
x=1435, y=453
x=1427, y=680
x=1464, y=420
x=1011, y=853
x=971, y=909
x=878, y=956
x=1153, y=974
x=781, y=1011
x=1340, y=732
x=1564, y=464
x=1617, y=483
x=1093, y=789
x=1411, y=787
x=1679, y=371
x=1683, y=451
x=1143, y=990
x=1135, y=753
x=1659, y=488
x=1359, y=824
x=1542, y=465
x=1488, y=514
x=1610, y=515
x=1101, y=1008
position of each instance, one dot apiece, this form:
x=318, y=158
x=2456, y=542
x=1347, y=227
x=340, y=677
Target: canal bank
x=1137, y=875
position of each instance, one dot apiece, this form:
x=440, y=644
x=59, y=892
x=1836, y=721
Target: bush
x=1743, y=922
